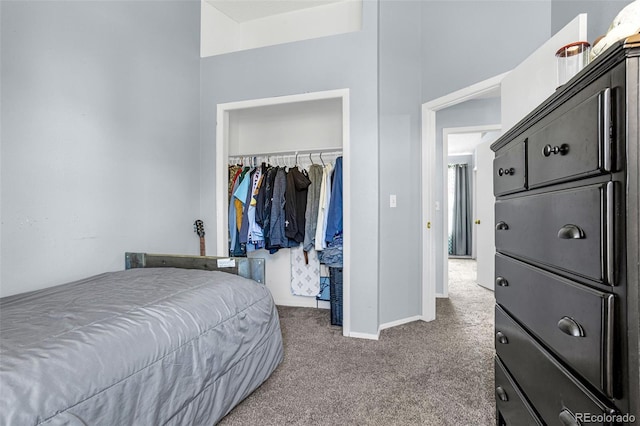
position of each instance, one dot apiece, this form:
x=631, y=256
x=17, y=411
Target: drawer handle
x=502, y=282
x=570, y=232
x=501, y=394
x=571, y=327
x=502, y=338
x=501, y=226
x=567, y=418
x=548, y=150
x=506, y=172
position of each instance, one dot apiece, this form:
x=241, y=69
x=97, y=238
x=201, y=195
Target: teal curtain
x=460, y=229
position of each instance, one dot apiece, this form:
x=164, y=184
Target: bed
x=171, y=340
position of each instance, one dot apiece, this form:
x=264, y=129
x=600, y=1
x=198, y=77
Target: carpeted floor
x=437, y=373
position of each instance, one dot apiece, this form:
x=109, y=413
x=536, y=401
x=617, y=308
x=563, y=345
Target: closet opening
x=297, y=132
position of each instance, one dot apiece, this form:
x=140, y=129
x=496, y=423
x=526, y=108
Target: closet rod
x=336, y=150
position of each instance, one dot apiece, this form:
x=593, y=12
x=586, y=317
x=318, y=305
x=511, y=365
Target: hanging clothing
x=323, y=207
x=305, y=277
x=234, y=172
x=277, y=237
x=240, y=195
x=296, y=204
x=254, y=179
x=332, y=255
x=263, y=210
x=334, y=215
x=233, y=229
x=255, y=238
x=311, y=211
x=277, y=207
x=260, y=198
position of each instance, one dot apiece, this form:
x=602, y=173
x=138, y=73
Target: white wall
x=600, y=13
x=400, y=38
x=221, y=34
x=286, y=127
x=218, y=33
x=467, y=41
x=99, y=134
x=535, y=79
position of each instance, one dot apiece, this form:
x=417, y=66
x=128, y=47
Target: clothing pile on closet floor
x=273, y=207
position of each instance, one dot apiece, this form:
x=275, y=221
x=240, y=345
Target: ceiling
x=247, y=10
x=463, y=143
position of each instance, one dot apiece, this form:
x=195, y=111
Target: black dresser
x=566, y=183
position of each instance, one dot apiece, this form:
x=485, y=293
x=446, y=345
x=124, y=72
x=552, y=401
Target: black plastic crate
x=335, y=291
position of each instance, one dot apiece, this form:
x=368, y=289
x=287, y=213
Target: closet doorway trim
x=222, y=154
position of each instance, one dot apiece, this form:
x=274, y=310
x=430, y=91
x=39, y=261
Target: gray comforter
x=136, y=347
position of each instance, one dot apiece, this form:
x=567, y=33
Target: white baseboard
x=364, y=335
x=385, y=326
x=320, y=304
x=442, y=295
x=400, y=322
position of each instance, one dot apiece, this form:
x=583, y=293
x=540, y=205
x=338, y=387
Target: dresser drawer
x=509, y=172
x=575, y=145
x=574, y=321
x=571, y=230
x=553, y=392
x=510, y=402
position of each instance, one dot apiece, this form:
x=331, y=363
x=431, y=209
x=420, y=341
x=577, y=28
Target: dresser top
x=627, y=48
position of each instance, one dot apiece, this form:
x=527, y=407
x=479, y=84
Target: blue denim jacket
x=334, y=217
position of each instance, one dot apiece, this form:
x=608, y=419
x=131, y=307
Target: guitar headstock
x=198, y=228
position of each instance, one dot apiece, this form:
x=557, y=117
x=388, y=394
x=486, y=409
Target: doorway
x=461, y=222
x=467, y=150
x=432, y=261
x=460, y=193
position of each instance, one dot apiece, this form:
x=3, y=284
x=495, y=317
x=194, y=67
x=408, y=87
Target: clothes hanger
x=321, y=160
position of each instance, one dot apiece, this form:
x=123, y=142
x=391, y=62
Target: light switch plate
x=392, y=201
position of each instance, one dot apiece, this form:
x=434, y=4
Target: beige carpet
x=437, y=373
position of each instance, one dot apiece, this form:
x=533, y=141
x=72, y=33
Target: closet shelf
x=337, y=150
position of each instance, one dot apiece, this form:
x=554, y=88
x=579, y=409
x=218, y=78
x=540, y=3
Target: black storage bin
x=335, y=291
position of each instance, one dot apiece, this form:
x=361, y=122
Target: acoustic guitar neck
x=203, y=251
x=198, y=228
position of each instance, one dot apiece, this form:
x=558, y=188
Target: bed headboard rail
x=252, y=268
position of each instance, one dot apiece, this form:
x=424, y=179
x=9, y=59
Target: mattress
x=158, y=346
